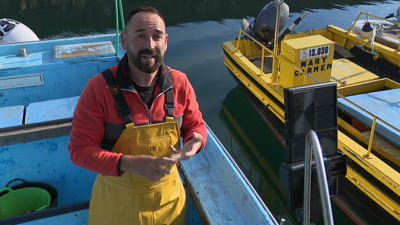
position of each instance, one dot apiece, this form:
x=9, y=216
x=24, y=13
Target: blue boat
x=40, y=84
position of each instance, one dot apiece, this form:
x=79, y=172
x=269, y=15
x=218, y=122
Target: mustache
x=148, y=52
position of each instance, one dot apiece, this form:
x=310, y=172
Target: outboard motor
x=264, y=24
x=12, y=31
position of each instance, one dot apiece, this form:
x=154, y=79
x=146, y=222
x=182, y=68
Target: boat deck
x=267, y=63
x=345, y=72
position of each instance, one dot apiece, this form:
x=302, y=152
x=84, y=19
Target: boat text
x=314, y=52
x=314, y=65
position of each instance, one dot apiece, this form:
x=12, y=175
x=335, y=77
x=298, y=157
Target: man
x=133, y=144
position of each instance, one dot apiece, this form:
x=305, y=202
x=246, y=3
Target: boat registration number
x=314, y=52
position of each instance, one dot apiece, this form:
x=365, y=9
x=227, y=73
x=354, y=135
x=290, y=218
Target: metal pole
x=277, y=22
x=322, y=180
x=371, y=137
x=307, y=182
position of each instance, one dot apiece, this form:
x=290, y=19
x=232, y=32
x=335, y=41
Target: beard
x=148, y=67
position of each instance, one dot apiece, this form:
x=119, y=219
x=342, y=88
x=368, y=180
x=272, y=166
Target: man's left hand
x=189, y=149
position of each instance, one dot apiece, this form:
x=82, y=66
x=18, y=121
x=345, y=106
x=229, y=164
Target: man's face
x=145, y=41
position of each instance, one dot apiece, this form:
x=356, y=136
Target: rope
x=370, y=40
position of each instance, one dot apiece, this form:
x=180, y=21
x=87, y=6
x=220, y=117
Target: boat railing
x=313, y=146
x=257, y=42
x=368, y=15
x=278, y=58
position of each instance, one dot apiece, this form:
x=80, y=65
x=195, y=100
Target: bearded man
x=127, y=128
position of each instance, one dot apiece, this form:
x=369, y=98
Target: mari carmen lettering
x=314, y=65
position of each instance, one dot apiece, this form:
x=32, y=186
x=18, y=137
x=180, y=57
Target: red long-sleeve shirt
x=96, y=118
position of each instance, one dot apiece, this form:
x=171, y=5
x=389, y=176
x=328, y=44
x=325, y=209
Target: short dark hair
x=148, y=9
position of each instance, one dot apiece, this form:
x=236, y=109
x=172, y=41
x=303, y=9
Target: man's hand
x=189, y=149
x=150, y=167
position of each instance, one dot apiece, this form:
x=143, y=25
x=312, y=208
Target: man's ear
x=123, y=40
x=166, y=42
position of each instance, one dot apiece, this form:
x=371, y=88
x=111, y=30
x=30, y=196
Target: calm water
x=196, y=30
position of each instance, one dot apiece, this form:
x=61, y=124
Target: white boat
x=385, y=31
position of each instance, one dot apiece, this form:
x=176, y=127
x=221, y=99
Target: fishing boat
x=40, y=84
x=320, y=80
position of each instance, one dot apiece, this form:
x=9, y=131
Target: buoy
x=12, y=31
x=367, y=30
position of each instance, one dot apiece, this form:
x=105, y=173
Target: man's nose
x=150, y=43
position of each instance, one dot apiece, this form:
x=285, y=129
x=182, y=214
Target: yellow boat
x=367, y=127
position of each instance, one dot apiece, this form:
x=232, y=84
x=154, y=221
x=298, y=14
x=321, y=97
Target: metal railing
x=322, y=180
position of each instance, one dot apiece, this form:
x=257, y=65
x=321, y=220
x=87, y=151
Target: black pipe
x=297, y=21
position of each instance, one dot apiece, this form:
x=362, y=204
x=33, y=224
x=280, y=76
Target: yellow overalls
x=132, y=199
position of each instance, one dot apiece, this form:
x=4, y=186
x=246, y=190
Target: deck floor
x=267, y=63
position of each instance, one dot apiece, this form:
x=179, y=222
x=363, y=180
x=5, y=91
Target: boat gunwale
x=49, y=212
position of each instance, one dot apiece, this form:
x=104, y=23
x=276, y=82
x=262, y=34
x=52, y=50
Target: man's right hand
x=150, y=167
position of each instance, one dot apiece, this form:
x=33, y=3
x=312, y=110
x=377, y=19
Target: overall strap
x=169, y=100
x=169, y=103
x=123, y=108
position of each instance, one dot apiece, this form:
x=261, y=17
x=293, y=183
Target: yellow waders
x=132, y=199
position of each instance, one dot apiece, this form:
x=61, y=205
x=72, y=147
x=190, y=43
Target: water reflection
x=50, y=18
x=192, y=8
x=253, y=146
